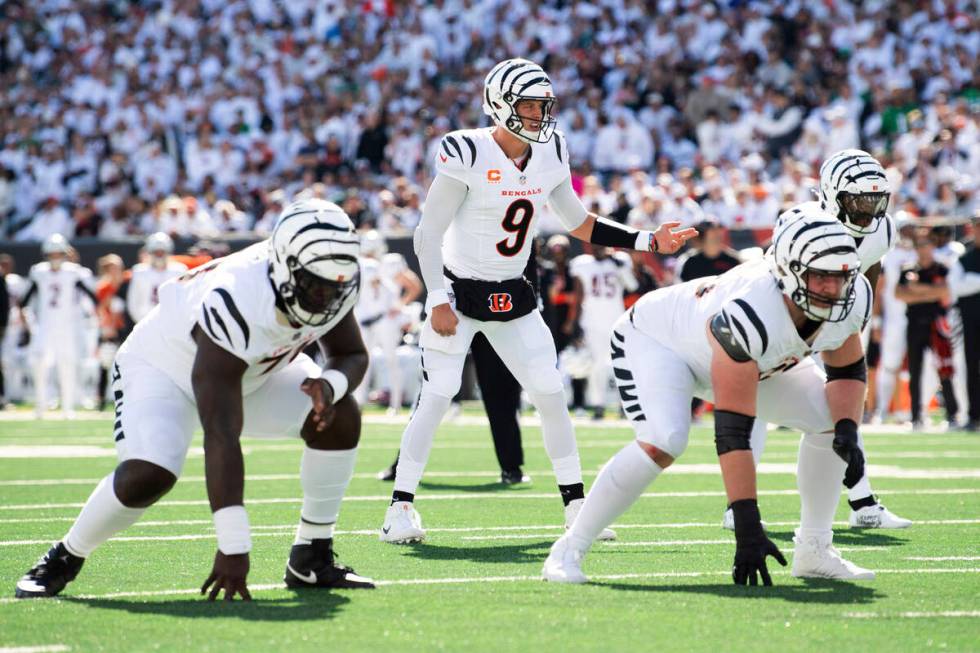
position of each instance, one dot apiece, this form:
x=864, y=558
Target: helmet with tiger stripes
x=313, y=266
x=815, y=243
x=853, y=187
x=510, y=82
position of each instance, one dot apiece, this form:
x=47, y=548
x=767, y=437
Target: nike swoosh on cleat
x=306, y=578
x=385, y=530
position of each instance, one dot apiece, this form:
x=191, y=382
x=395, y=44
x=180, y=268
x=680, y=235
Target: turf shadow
x=509, y=553
x=482, y=487
x=303, y=606
x=812, y=591
x=853, y=537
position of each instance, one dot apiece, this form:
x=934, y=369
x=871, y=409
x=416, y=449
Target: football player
x=605, y=277
x=225, y=346
x=55, y=286
x=144, y=285
x=743, y=341
x=854, y=190
x=387, y=287
x=473, y=244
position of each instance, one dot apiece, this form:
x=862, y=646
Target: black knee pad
x=343, y=432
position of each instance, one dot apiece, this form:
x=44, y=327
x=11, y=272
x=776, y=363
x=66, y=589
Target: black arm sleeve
x=612, y=234
x=29, y=294
x=88, y=291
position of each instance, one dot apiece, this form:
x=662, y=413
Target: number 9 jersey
x=490, y=237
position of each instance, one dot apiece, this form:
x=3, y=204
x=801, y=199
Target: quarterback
x=473, y=244
x=224, y=347
x=144, y=286
x=743, y=341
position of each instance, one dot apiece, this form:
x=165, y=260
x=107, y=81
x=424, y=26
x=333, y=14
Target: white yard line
x=45, y=648
x=491, y=579
x=467, y=496
x=941, y=558
x=913, y=615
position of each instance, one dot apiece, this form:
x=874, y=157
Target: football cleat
x=571, y=512
x=403, y=524
x=49, y=576
x=564, y=563
x=728, y=521
x=816, y=557
x=514, y=477
x=388, y=473
x=877, y=516
x=313, y=565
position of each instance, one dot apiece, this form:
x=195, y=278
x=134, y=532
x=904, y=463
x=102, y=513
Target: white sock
x=863, y=488
x=618, y=486
x=757, y=439
x=559, y=436
x=102, y=517
x=417, y=440
x=819, y=474
x=886, y=388
x=324, y=476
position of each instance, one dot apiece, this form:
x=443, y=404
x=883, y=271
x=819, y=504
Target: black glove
x=751, y=545
x=846, y=446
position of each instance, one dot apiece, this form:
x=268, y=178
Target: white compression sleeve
x=444, y=198
x=567, y=205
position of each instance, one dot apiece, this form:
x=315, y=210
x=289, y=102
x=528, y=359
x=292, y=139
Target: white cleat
x=403, y=524
x=728, y=521
x=571, y=512
x=816, y=557
x=564, y=564
x=877, y=516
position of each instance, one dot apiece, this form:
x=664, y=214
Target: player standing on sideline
x=387, y=287
x=225, y=346
x=477, y=225
x=55, y=285
x=149, y=276
x=605, y=277
x=743, y=341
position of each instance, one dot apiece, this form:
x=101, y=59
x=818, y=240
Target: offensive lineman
x=147, y=277
x=224, y=345
x=605, y=276
x=475, y=235
x=743, y=340
x=55, y=285
x=854, y=189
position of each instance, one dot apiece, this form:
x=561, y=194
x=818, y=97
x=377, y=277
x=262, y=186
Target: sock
x=417, y=440
x=324, y=476
x=886, y=388
x=618, y=486
x=819, y=476
x=863, y=502
x=102, y=517
x=757, y=439
x=397, y=496
x=559, y=437
x=572, y=492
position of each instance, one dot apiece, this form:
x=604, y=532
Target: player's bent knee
x=140, y=483
x=443, y=386
x=343, y=432
x=662, y=458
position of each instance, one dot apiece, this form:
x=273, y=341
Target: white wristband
x=435, y=298
x=234, y=535
x=645, y=242
x=338, y=383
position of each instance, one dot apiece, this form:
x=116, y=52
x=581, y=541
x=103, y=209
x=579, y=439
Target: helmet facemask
x=817, y=306
x=861, y=213
x=517, y=124
x=313, y=300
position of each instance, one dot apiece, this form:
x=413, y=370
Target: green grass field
x=473, y=586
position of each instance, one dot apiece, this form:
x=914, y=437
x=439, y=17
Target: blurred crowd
x=201, y=117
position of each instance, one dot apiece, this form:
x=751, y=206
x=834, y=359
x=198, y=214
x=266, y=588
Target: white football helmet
x=854, y=188
x=159, y=246
x=55, y=249
x=313, y=254
x=373, y=244
x=508, y=83
x=815, y=242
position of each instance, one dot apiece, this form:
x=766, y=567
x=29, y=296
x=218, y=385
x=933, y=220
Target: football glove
x=751, y=545
x=846, y=446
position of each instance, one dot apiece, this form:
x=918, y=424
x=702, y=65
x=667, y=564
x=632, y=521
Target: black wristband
x=612, y=234
x=748, y=520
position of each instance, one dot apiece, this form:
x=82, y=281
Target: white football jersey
x=873, y=247
x=891, y=268
x=748, y=294
x=144, y=287
x=56, y=294
x=603, y=283
x=380, y=291
x=232, y=301
x=492, y=233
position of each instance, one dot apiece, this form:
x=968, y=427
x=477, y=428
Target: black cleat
x=514, y=477
x=387, y=474
x=312, y=565
x=49, y=576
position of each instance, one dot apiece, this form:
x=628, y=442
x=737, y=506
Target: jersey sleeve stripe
x=558, y=148
x=221, y=323
x=756, y=322
x=469, y=143
x=445, y=148
x=459, y=151
x=207, y=324
x=888, y=233
x=235, y=313
x=741, y=330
